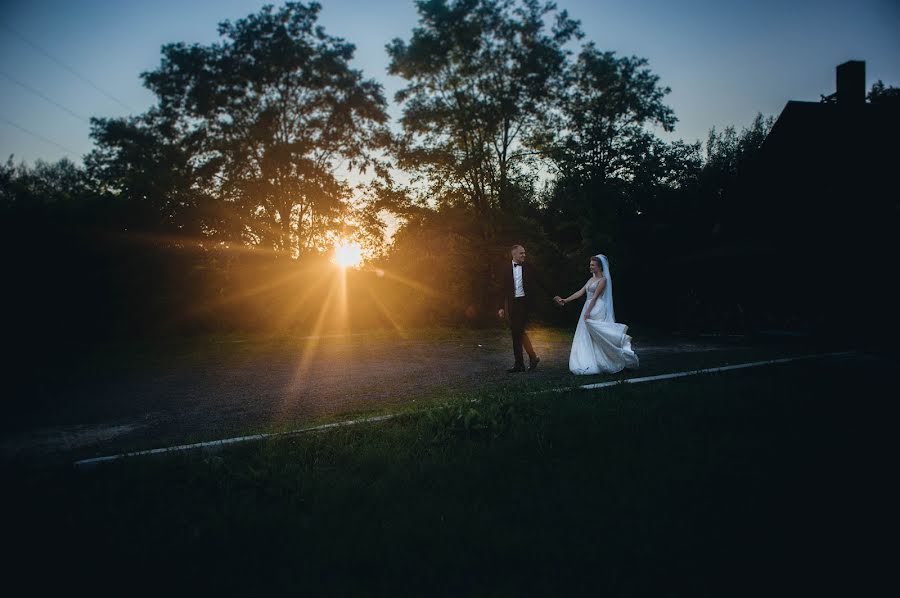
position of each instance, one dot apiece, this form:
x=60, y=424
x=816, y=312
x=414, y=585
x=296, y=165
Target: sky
x=63, y=62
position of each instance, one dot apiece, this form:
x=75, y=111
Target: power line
x=39, y=136
x=66, y=67
x=44, y=97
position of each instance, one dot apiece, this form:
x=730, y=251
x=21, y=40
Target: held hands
x=501, y=313
x=559, y=301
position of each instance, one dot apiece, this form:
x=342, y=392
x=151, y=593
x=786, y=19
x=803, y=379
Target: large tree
x=608, y=105
x=264, y=123
x=607, y=160
x=482, y=75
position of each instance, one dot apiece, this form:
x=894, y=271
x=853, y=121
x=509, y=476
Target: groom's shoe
x=532, y=363
x=516, y=368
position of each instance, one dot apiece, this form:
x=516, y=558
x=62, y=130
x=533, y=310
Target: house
x=822, y=195
x=809, y=237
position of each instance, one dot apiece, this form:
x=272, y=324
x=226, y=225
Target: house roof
x=815, y=129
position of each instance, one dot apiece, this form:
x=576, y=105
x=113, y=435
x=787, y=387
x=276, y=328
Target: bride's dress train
x=600, y=345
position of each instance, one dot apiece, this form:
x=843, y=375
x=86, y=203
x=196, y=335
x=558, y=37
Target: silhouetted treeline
x=216, y=210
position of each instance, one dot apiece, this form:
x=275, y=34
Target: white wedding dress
x=600, y=345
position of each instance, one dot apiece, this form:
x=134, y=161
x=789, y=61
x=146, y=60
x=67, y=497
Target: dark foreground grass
x=764, y=482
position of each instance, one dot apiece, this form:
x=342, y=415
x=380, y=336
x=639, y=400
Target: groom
x=518, y=280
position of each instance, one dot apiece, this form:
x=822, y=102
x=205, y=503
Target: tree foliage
x=882, y=94
x=607, y=161
x=481, y=77
x=508, y=134
x=261, y=125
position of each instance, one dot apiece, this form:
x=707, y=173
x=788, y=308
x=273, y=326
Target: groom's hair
x=514, y=247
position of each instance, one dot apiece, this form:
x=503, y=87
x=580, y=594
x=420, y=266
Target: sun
x=347, y=255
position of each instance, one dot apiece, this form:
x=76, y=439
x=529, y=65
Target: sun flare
x=347, y=255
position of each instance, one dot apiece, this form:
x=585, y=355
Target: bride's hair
x=597, y=261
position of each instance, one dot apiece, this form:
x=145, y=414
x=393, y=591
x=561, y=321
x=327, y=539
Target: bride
x=600, y=345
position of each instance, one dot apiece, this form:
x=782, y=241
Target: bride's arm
x=575, y=295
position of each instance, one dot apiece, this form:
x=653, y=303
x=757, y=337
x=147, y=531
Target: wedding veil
x=608, y=294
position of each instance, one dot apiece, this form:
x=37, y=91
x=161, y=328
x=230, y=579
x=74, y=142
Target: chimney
x=851, y=83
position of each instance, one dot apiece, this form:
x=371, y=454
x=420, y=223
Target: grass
x=748, y=482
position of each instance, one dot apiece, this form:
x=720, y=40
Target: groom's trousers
x=518, y=319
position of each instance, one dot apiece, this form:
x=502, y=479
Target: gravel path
x=239, y=387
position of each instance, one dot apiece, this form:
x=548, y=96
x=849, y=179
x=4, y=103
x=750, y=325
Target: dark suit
x=518, y=309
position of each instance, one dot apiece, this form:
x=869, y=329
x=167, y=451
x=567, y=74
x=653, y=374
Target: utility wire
x=39, y=136
x=44, y=97
x=66, y=67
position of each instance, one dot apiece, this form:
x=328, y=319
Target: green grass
x=747, y=482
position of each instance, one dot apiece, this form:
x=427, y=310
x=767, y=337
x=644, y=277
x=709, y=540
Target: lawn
x=752, y=482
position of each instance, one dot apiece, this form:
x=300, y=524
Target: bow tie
x=515, y=265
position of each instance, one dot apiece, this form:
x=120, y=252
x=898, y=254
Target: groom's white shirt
x=517, y=279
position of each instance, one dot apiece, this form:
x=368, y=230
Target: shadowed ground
x=754, y=482
x=101, y=400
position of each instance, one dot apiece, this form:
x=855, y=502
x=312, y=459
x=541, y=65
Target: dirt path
x=204, y=392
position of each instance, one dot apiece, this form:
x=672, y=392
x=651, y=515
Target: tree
x=883, y=95
x=261, y=122
x=482, y=75
x=604, y=155
x=611, y=101
x=44, y=183
x=730, y=154
x=144, y=164
x=727, y=151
